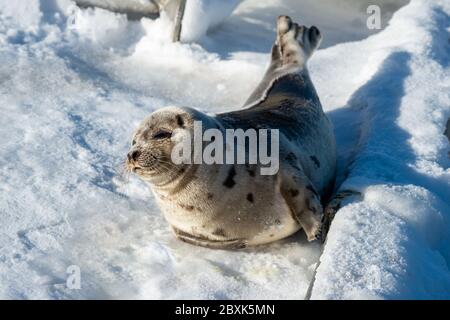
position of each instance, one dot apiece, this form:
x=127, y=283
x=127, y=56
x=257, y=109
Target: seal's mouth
x=139, y=168
x=135, y=167
x=147, y=164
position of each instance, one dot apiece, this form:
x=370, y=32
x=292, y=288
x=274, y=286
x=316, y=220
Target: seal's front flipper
x=231, y=244
x=304, y=203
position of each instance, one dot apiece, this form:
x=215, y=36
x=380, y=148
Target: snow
x=203, y=15
x=400, y=228
x=75, y=83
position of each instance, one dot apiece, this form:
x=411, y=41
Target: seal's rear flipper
x=294, y=45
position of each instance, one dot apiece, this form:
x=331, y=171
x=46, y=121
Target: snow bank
x=394, y=242
x=75, y=83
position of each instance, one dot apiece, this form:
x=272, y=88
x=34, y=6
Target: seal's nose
x=133, y=155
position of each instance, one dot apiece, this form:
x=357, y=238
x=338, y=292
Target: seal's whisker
x=163, y=166
x=122, y=172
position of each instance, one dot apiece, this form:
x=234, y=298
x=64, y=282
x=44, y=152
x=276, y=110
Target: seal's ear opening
x=180, y=121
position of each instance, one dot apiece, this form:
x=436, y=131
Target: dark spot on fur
x=277, y=221
x=291, y=157
x=250, y=197
x=210, y=195
x=293, y=192
x=229, y=181
x=187, y=207
x=271, y=235
x=315, y=160
x=180, y=121
x=219, y=232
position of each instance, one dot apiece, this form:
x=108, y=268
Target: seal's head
x=151, y=146
x=150, y=154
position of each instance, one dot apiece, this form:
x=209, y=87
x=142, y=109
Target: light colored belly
x=256, y=224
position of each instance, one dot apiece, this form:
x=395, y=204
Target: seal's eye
x=162, y=134
x=133, y=142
